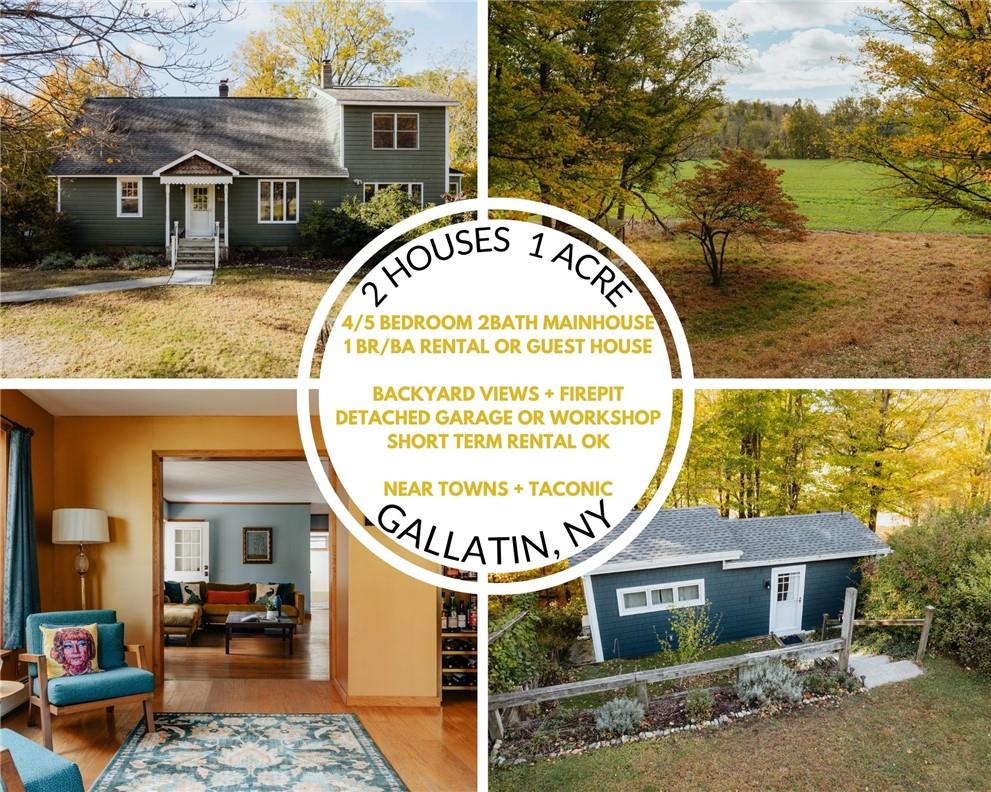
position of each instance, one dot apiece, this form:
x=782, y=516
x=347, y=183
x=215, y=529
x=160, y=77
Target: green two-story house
x=204, y=174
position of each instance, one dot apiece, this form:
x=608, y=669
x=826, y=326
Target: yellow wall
x=106, y=463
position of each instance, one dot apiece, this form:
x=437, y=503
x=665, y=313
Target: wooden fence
x=640, y=679
x=926, y=623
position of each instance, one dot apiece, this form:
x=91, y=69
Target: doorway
x=200, y=210
x=787, y=594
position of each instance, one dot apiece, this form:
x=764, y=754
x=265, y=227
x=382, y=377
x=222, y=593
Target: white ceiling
x=129, y=400
x=205, y=481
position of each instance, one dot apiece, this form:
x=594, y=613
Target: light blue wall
x=738, y=599
x=290, y=526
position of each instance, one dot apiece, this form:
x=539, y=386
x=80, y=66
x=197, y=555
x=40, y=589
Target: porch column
x=227, y=238
x=168, y=218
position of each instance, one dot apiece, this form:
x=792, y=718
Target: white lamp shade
x=79, y=526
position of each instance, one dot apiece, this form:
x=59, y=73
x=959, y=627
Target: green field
x=850, y=196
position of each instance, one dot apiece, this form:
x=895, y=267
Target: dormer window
x=395, y=130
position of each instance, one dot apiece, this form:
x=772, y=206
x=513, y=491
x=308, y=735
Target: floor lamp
x=80, y=527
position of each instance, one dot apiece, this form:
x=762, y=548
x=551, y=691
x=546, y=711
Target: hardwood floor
x=431, y=748
x=253, y=657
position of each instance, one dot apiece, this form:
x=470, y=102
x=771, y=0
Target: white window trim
x=651, y=608
x=395, y=132
x=285, y=203
x=141, y=203
x=379, y=185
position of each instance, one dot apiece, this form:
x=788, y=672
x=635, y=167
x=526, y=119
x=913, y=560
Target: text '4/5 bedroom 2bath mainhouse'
x=200, y=175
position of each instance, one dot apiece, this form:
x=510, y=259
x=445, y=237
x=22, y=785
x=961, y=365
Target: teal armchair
x=27, y=767
x=118, y=683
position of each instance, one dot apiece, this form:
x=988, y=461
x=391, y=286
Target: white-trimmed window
x=278, y=200
x=413, y=189
x=396, y=130
x=660, y=597
x=454, y=185
x=129, y=196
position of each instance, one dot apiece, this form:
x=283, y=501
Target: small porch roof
x=196, y=168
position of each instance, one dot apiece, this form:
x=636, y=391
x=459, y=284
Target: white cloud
x=806, y=59
x=759, y=16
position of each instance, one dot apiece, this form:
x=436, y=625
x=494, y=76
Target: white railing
x=174, y=245
x=216, y=245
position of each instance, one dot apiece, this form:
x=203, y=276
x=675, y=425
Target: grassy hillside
x=850, y=196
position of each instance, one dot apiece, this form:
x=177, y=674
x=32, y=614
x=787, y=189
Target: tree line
x=756, y=453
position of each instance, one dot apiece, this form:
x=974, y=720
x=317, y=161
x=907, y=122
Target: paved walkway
x=881, y=670
x=177, y=278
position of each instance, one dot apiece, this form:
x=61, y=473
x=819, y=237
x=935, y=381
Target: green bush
x=820, y=683
x=619, y=716
x=334, y=233
x=515, y=659
x=699, y=706
x=766, y=682
x=56, y=261
x=135, y=261
x=559, y=628
x=693, y=634
x=941, y=560
x=92, y=260
x=32, y=229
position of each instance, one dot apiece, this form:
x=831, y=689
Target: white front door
x=787, y=593
x=187, y=550
x=199, y=208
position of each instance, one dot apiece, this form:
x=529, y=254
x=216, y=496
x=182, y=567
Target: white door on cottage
x=787, y=593
x=187, y=550
x=199, y=204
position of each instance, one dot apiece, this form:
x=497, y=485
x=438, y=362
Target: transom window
x=278, y=201
x=129, y=197
x=660, y=597
x=413, y=189
x=395, y=130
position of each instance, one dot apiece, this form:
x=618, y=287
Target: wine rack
x=458, y=647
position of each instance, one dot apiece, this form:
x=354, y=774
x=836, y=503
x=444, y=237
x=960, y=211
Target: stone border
x=657, y=734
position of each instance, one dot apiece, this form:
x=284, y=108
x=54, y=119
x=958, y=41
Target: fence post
x=822, y=633
x=924, y=638
x=496, y=731
x=642, y=696
x=846, y=628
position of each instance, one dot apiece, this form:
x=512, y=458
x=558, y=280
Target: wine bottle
x=452, y=614
x=462, y=617
x=443, y=617
x=473, y=614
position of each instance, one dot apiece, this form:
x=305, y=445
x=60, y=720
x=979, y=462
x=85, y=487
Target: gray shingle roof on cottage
x=385, y=94
x=682, y=533
x=256, y=136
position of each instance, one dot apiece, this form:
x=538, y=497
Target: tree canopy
x=264, y=67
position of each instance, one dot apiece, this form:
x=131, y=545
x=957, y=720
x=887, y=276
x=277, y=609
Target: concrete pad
x=61, y=292
x=191, y=277
x=881, y=670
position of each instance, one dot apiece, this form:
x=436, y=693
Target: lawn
x=837, y=195
x=23, y=279
x=834, y=305
x=933, y=732
x=250, y=323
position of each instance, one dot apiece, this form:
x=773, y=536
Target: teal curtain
x=21, y=596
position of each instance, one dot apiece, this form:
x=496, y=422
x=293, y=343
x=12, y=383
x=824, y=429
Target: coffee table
x=236, y=625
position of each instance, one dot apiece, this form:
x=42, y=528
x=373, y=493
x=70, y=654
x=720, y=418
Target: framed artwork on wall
x=257, y=545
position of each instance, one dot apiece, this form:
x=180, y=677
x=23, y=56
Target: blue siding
x=738, y=599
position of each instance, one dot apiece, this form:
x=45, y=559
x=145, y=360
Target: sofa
x=184, y=619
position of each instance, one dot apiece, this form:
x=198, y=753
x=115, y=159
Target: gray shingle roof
x=385, y=94
x=265, y=137
x=680, y=533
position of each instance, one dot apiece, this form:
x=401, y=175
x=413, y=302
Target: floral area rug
x=199, y=751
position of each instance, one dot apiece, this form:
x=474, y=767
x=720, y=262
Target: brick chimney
x=223, y=89
x=326, y=75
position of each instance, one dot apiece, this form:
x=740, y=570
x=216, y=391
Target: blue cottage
x=761, y=576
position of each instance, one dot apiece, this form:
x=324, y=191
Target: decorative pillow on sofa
x=214, y=597
x=173, y=590
x=70, y=651
x=265, y=593
x=191, y=594
x=285, y=593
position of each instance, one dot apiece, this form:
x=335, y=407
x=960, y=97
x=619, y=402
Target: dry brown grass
x=835, y=305
x=18, y=279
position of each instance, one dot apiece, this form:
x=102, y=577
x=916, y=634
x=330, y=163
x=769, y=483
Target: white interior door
x=787, y=593
x=187, y=550
x=199, y=203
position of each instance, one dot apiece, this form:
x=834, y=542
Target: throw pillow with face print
x=70, y=651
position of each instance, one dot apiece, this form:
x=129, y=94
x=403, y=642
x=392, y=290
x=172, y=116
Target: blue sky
x=794, y=47
x=439, y=28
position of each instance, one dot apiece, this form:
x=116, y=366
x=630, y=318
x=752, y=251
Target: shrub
x=699, y=706
x=770, y=681
x=515, y=659
x=559, y=628
x=134, y=261
x=56, y=261
x=386, y=208
x=92, y=260
x=820, y=683
x=941, y=560
x=338, y=232
x=619, y=716
x=693, y=634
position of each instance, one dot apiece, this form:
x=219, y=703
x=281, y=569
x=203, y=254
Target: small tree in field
x=737, y=196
